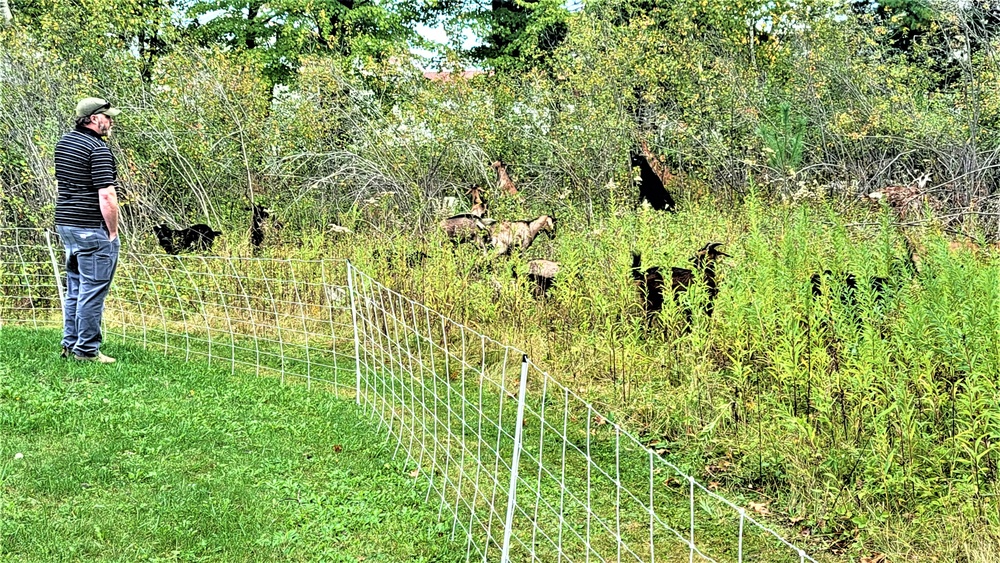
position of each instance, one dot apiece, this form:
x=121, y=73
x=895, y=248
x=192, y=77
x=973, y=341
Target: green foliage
x=865, y=417
x=784, y=140
x=519, y=34
x=280, y=33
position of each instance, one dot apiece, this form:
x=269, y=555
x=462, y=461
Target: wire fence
x=525, y=469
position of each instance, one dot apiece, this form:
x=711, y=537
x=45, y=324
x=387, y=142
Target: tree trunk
x=5, y=12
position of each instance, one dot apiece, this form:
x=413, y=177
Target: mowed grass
x=154, y=459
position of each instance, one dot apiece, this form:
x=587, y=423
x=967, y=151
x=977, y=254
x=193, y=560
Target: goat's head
x=475, y=194
x=260, y=212
x=165, y=238
x=921, y=180
x=164, y=233
x=546, y=224
x=498, y=165
x=708, y=254
x=636, y=158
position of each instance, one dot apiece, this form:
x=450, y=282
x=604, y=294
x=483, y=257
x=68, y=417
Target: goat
x=650, y=284
x=479, y=207
x=260, y=214
x=542, y=274
x=195, y=237
x=882, y=289
x=504, y=183
x=508, y=234
x=662, y=170
x=411, y=259
x=650, y=186
x=466, y=227
x=682, y=278
x=904, y=199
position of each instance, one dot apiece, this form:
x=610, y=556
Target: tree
x=516, y=34
x=925, y=33
x=137, y=27
x=281, y=31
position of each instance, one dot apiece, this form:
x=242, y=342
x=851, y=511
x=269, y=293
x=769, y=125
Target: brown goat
x=466, y=227
x=904, y=200
x=521, y=234
x=504, y=183
x=479, y=208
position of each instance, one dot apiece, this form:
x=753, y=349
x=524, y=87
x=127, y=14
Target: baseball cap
x=91, y=106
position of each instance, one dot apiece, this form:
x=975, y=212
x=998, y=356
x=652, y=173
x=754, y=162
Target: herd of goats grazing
x=503, y=237
x=201, y=237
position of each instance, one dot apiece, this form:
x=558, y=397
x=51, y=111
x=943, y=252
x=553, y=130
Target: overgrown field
x=866, y=420
x=152, y=459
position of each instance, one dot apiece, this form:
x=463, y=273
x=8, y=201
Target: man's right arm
x=109, y=209
x=102, y=173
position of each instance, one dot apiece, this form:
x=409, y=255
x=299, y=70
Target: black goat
x=412, y=259
x=849, y=292
x=195, y=237
x=651, y=282
x=681, y=279
x=260, y=214
x=880, y=286
x=704, y=261
x=650, y=285
x=650, y=186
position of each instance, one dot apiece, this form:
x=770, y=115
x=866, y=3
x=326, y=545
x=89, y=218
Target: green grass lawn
x=153, y=459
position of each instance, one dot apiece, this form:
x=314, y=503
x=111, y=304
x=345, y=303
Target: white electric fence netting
x=525, y=469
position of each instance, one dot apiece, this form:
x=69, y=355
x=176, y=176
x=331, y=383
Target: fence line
x=525, y=468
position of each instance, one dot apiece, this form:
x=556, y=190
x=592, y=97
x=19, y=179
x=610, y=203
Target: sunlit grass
x=153, y=459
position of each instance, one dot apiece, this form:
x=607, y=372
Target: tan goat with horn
x=521, y=234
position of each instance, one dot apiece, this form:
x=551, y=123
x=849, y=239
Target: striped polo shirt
x=84, y=165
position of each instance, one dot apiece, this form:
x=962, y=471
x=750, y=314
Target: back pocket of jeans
x=103, y=267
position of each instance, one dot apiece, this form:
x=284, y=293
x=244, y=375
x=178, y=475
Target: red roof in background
x=445, y=76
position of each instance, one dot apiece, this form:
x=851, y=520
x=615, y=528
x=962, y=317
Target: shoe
x=66, y=353
x=99, y=358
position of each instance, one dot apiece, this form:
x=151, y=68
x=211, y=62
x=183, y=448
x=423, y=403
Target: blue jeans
x=91, y=261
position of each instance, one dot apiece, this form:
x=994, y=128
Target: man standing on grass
x=87, y=223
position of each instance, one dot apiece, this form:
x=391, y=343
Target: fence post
x=357, y=345
x=739, y=548
x=691, y=488
x=55, y=271
x=522, y=393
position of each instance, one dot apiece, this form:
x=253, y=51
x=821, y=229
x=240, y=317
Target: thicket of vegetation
x=872, y=426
